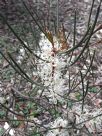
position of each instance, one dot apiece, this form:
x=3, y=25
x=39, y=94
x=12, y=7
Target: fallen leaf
x=5, y=64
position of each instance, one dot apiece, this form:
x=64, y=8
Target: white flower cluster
x=58, y=128
x=21, y=56
x=9, y=130
x=45, y=69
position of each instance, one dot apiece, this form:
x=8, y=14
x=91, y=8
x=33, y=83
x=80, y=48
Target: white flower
x=22, y=51
x=19, y=59
x=44, y=43
x=21, y=56
x=59, y=63
x=6, y=126
x=11, y=131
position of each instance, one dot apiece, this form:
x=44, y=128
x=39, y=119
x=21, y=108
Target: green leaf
x=1, y=131
x=69, y=104
x=78, y=96
x=15, y=123
x=2, y=114
x=93, y=90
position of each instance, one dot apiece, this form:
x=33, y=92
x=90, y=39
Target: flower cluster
x=50, y=71
x=21, y=56
x=8, y=129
